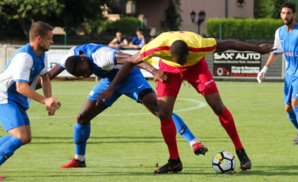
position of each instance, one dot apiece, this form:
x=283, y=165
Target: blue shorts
x=13, y=116
x=290, y=89
x=131, y=86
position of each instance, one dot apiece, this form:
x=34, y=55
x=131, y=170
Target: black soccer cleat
x=245, y=162
x=174, y=166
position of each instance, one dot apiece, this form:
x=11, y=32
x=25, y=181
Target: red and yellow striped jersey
x=161, y=46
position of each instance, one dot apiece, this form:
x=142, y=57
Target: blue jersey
x=102, y=57
x=287, y=43
x=136, y=41
x=24, y=66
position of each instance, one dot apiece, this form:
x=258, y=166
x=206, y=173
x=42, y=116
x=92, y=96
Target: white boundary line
x=199, y=105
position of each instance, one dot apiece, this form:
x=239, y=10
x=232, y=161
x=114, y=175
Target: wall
x=213, y=9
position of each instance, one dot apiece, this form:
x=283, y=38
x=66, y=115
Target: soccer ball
x=223, y=162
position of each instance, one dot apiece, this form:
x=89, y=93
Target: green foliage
x=27, y=11
x=243, y=28
x=126, y=25
x=173, y=17
x=270, y=8
x=64, y=13
x=263, y=8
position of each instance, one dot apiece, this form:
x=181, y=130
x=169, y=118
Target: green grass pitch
x=126, y=142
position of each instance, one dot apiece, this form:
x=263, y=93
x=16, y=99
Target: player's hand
x=261, y=77
x=262, y=74
x=51, y=110
x=52, y=105
x=104, y=96
x=159, y=75
x=265, y=48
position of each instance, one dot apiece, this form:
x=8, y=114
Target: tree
x=65, y=13
x=270, y=8
x=173, y=17
x=263, y=8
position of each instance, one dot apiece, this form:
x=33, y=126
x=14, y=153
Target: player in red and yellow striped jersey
x=181, y=56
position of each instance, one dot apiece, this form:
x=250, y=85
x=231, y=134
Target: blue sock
x=293, y=117
x=81, y=134
x=182, y=129
x=8, y=148
x=5, y=138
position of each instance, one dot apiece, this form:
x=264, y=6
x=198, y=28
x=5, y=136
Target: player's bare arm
x=223, y=45
x=24, y=89
x=47, y=91
x=158, y=75
x=56, y=70
x=122, y=73
x=46, y=85
x=122, y=57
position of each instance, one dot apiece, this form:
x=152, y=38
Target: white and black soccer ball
x=223, y=162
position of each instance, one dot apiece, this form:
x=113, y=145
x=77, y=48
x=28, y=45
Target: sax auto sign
x=236, y=64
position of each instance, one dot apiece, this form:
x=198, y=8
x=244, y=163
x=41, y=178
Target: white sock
x=80, y=157
x=193, y=141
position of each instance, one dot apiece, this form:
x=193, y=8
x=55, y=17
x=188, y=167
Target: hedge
x=243, y=28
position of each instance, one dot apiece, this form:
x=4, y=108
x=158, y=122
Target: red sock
x=168, y=130
x=227, y=121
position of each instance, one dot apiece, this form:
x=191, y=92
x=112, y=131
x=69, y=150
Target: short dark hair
x=179, y=48
x=289, y=5
x=72, y=63
x=139, y=29
x=39, y=28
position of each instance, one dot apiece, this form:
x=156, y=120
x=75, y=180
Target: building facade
x=152, y=13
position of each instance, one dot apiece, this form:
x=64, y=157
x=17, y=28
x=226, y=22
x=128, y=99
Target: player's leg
x=202, y=80
x=132, y=86
x=82, y=130
x=166, y=94
x=17, y=123
x=82, y=127
x=168, y=130
x=149, y=100
x=290, y=100
x=184, y=131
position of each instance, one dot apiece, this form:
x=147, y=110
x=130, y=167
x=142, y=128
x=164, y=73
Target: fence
x=275, y=73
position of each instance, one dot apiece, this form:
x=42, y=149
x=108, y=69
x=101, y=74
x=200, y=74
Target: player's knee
x=164, y=114
x=288, y=108
x=82, y=119
x=25, y=139
x=218, y=109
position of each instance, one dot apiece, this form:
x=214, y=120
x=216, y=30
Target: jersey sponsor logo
x=291, y=54
x=91, y=93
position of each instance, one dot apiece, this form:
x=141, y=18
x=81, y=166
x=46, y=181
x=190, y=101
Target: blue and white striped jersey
x=104, y=63
x=287, y=43
x=24, y=66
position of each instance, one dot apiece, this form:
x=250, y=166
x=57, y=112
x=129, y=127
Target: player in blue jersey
x=104, y=62
x=17, y=84
x=286, y=42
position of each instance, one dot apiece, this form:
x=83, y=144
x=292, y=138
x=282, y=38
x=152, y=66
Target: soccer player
x=104, y=62
x=286, y=42
x=17, y=82
x=182, y=58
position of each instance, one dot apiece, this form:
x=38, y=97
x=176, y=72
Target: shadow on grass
x=117, y=139
x=148, y=171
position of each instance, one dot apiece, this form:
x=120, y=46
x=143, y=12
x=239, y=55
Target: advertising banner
x=236, y=64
